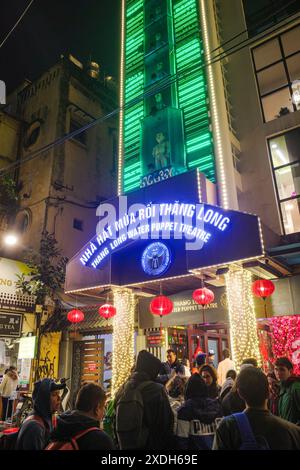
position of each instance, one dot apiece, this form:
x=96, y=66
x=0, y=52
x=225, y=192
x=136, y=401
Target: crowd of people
x=167, y=406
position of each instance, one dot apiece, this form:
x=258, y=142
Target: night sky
x=54, y=27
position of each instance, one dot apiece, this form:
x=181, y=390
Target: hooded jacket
x=74, y=422
x=9, y=383
x=289, y=400
x=32, y=435
x=158, y=415
x=197, y=416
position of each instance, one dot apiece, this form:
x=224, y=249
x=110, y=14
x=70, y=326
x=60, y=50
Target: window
x=277, y=67
x=78, y=224
x=82, y=137
x=285, y=155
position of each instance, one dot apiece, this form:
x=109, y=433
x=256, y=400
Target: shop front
x=17, y=323
x=161, y=241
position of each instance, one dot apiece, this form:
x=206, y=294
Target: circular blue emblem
x=156, y=259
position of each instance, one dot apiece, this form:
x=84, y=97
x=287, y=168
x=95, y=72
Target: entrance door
x=214, y=337
x=88, y=358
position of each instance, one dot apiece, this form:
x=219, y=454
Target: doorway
x=206, y=338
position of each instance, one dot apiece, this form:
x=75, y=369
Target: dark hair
x=250, y=360
x=171, y=351
x=226, y=353
x=252, y=385
x=12, y=368
x=284, y=362
x=89, y=397
x=211, y=370
x=231, y=373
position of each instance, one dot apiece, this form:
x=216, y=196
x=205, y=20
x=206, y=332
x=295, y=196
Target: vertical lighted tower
x=165, y=123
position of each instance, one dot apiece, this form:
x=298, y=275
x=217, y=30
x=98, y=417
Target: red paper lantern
x=107, y=311
x=263, y=288
x=75, y=316
x=161, y=305
x=203, y=296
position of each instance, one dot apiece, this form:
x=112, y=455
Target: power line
x=152, y=91
x=14, y=27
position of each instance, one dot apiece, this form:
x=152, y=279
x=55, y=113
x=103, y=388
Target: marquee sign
x=162, y=231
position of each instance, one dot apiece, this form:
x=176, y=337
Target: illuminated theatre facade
x=175, y=225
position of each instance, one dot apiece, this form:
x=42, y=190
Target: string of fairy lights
x=242, y=318
x=123, y=337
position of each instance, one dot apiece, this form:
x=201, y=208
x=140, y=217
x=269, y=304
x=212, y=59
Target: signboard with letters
x=10, y=325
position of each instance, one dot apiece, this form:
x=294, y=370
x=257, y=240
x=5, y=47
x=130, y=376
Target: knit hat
x=148, y=363
x=196, y=388
x=200, y=359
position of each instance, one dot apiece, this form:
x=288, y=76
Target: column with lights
x=123, y=337
x=242, y=319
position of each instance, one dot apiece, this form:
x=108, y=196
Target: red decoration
x=203, y=296
x=263, y=288
x=285, y=332
x=107, y=311
x=161, y=305
x=75, y=316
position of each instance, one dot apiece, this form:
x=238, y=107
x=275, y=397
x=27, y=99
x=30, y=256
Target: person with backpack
x=35, y=430
x=79, y=429
x=255, y=428
x=144, y=418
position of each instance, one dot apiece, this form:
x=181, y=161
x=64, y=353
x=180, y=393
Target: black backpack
x=130, y=427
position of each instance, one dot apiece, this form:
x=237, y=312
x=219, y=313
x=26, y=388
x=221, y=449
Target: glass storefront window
x=285, y=155
x=271, y=78
x=293, y=64
x=277, y=104
x=288, y=186
x=291, y=215
x=291, y=41
x=267, y=54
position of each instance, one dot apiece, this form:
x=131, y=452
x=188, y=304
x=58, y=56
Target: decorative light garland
x=285, y=334
x=123, y=337
x=242, y=319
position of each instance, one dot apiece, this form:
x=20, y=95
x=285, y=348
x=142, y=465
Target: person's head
x=231, y=374
x=148, y=364
x=252, y=386
x=226, y=353
x=250, y=361
x=177, y=387
x=46, y=397
x=195, y=388
x=208, y=374
x=211, y=356
x=200, y=359
x=91, y=400
x=283, y=368
x=185, y=362
x=171, y=356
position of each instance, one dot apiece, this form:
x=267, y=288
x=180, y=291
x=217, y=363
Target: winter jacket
x=232, y=403
x=158, y=415
x=195, y=418
x=226, y=387
x=32, y=435
x=73, y=422
x=289, y=400
x=9, y=384
x=279, y=434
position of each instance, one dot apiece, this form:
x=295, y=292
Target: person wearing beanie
x=158, y=417
x=36, y=429
x=196, y=417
